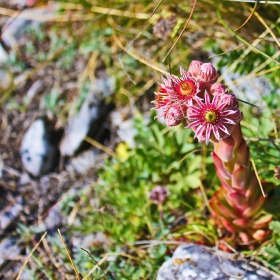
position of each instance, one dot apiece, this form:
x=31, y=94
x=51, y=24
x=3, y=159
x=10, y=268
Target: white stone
x=83, y=162
x=8, y=249
x=78, y=127
x=189, y=273
x=36, y=152
x=10, y=214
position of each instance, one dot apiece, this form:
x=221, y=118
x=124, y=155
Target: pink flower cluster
x=197, y=101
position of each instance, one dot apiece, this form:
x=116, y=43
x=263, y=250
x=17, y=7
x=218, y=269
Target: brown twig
x=248, y=18
x=95, y=262
x=183, y=30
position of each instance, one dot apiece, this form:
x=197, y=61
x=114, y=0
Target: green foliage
x=96, y=41
x=258, y=127
x=126, y=214
x=119, y=206
x=272, y=252
x=251, y=61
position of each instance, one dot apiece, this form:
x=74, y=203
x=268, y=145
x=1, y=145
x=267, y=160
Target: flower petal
x=223, y=128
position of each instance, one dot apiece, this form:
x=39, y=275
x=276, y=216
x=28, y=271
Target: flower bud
x=260, y=234
x=194, y=68
x=208, y=73
x=159, y=194
x=229, y=100
x=175, y=114
x=218, y=88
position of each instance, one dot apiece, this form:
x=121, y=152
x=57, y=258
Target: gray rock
x=15, y=27
x=195, y=262
x=54, y=220
x=86, y=122
x=9, y=249
x=82, y=162
x=78, y=127
x=3, y=55
x=97, y=239
x=125, y=126
x=9, y=214
x=37, y=154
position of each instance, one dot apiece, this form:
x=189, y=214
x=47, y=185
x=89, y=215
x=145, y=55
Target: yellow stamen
x=210, y=116
x=186, y=88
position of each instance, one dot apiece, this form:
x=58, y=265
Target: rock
x=54, y=219
x=15, y=27
x=37, y=154
x=124, y=128
x=8, y=249
x=87, y=122
x=32, y=91
x=195, y=262
x=97, y=239
x=104, y=86
x=82, y=162
x=3, y=55
x=10, y=213
x=11, y=259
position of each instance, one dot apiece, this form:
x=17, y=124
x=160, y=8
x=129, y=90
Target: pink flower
x=217, y=88
x=162, y=99
x=159, y=194
x=229, y=100
x=174, y=114
x=194, y=68
x=185, y=88
x=208, y=73
x=214, y=119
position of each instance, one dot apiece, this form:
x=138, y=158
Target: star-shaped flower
x=212, y=119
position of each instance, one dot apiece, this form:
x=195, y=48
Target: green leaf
x=194, y=163
x=272, y=251
x=193, y=181
x=275, y=226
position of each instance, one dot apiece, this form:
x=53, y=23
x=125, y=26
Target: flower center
x=210, y=116
x=186, y=88
x=161, y=99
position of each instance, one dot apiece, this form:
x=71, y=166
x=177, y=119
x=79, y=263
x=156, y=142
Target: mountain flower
x=159, y=194
x=212, y=119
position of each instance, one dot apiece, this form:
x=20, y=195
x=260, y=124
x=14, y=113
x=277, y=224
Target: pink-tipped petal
x=220, y=167
x=263, y=221
x=217, y=88
x=243, y=223
x=244, y=237
x=226, y=149
x=228, y=226
x=254, y=208
x=223, y=128
x=260, y=234
x=237, y=200
x=208, y=73
x=243, y=154
x=240, y=177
